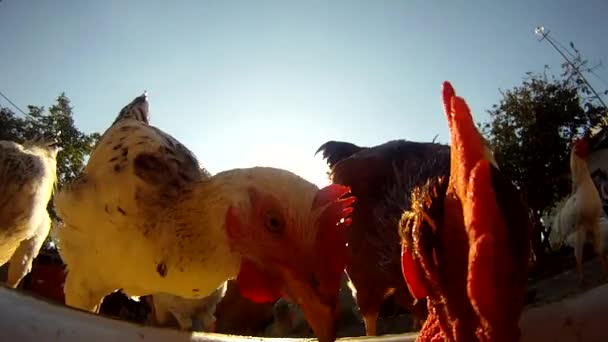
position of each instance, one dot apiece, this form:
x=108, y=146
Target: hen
x=28, y=174
x=381, y=178
x=587, y=206
x=175, y=231
x=190, y=314
x=466, y=242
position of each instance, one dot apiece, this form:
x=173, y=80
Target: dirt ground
x=541, y=291
x=565, y=284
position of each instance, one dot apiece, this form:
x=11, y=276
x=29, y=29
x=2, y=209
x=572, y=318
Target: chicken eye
x=274, y=223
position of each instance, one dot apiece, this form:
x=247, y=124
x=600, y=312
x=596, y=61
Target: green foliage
x=531, y=130
x=75, y=144
x=533, y=125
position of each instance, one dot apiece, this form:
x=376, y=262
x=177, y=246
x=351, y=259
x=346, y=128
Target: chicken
x=120, y=306
x=381, y=178
x=175, y=231
x=570, y=240
x=587, y=206
x=562, y=218
x=190, y=314
x=288, y=321
x=466, y=242
x=28, y=174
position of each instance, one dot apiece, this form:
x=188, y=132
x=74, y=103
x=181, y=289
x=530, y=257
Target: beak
x=320, y=311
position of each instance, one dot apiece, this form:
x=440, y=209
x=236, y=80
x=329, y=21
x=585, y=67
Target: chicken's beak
x=320, y=311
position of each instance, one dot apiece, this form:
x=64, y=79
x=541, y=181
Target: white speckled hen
x=28, y=174
x=144, y=218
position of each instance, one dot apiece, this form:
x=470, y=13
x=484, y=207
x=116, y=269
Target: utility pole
x=544, y=35
x=540, y=31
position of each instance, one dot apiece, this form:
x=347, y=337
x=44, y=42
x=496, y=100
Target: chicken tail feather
x=138, y=110
x=336, y=151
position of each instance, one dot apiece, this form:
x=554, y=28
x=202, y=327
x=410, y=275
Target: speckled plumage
x=135, y=172
x=28, y=174
x=146, y=218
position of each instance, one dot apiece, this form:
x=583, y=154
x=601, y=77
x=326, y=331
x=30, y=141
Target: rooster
x=466, y=242
x=175, y=231
x=587, y=207
x=381, y=178
x=28, y=174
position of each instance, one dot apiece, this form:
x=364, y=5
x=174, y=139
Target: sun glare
x=304, y=164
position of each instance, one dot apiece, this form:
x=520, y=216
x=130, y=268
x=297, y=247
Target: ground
x=548, y=289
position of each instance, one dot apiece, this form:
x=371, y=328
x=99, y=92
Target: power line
x=13, y=104
x=545, y=36
x=598, y=77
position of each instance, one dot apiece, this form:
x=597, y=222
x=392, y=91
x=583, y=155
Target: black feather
x=336, y=151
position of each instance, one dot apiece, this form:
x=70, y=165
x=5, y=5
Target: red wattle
x=412, y=274
x=255, y=284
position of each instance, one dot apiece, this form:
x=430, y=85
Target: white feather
x=124, y=230
x=28, y=174
x=197, y=314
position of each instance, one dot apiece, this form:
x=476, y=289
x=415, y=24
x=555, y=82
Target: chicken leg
x=20, y=263
x=370, y=319
x=578, y=254
x=598, y=244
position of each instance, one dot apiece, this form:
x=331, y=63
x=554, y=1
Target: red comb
x=447, y=94
x=582, y=142
x=329, y=194
x=467, y=147
x=490, y=260
x=336, y=210
x=331, y=222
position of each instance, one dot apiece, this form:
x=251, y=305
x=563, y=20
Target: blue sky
x=246, y=83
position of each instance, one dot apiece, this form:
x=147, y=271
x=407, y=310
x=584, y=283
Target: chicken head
x=292, y=254
x=465, y=242
x=581, y=148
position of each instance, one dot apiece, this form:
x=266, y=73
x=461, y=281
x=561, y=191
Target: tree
x=11, y=127
x=531, y=130
x=76, y=145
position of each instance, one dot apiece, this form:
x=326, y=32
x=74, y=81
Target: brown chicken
x=466, y=242
x=381, y=178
